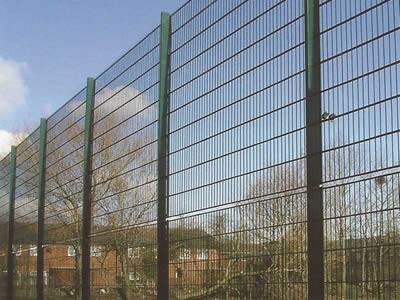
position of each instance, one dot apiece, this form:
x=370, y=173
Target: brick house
x=60, y=262
x=190, y=266
x=190, y=262
x=194, y=267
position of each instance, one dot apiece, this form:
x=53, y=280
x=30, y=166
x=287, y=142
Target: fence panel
x=237, y=202
x=360, y=42
x=4, y=207
x=26, y=213
x=238, y=190
x=63, y=199
x=124, y=177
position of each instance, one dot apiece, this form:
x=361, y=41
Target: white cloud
x=13, y=88
x=6, y=140
x=128, y=101
x=48, y=109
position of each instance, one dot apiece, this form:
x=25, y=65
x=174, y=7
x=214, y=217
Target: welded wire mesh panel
x=124, y=176
x=4, y=207
x=25, y=215
x=63, y=198
x=360, y=43
x=237, y=136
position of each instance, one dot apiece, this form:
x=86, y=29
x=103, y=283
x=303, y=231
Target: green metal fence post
x=11, y=216
x=87, y=199
x=41, y=195
x=163, y=129
x=314, y=153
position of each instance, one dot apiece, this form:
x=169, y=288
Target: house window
x=134, y=252
x=95, y=251
x=45, y=277
x=184, y=254
x=33, y=250
x=17, y=250
x=178, y=273
x=202, y=254
x=71, y=251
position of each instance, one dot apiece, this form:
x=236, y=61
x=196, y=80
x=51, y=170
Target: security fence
x=244, y=149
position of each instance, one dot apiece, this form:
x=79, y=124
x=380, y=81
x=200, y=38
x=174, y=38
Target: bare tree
x=276, y=222
x=119, y=165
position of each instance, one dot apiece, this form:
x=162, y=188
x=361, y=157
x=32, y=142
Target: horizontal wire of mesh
x=124, y=173
x=237, y=136
x=360, y=43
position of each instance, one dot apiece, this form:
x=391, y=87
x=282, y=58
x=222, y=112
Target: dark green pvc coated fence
x=244, y=149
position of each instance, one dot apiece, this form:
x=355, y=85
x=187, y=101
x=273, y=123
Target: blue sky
x=49, y=47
